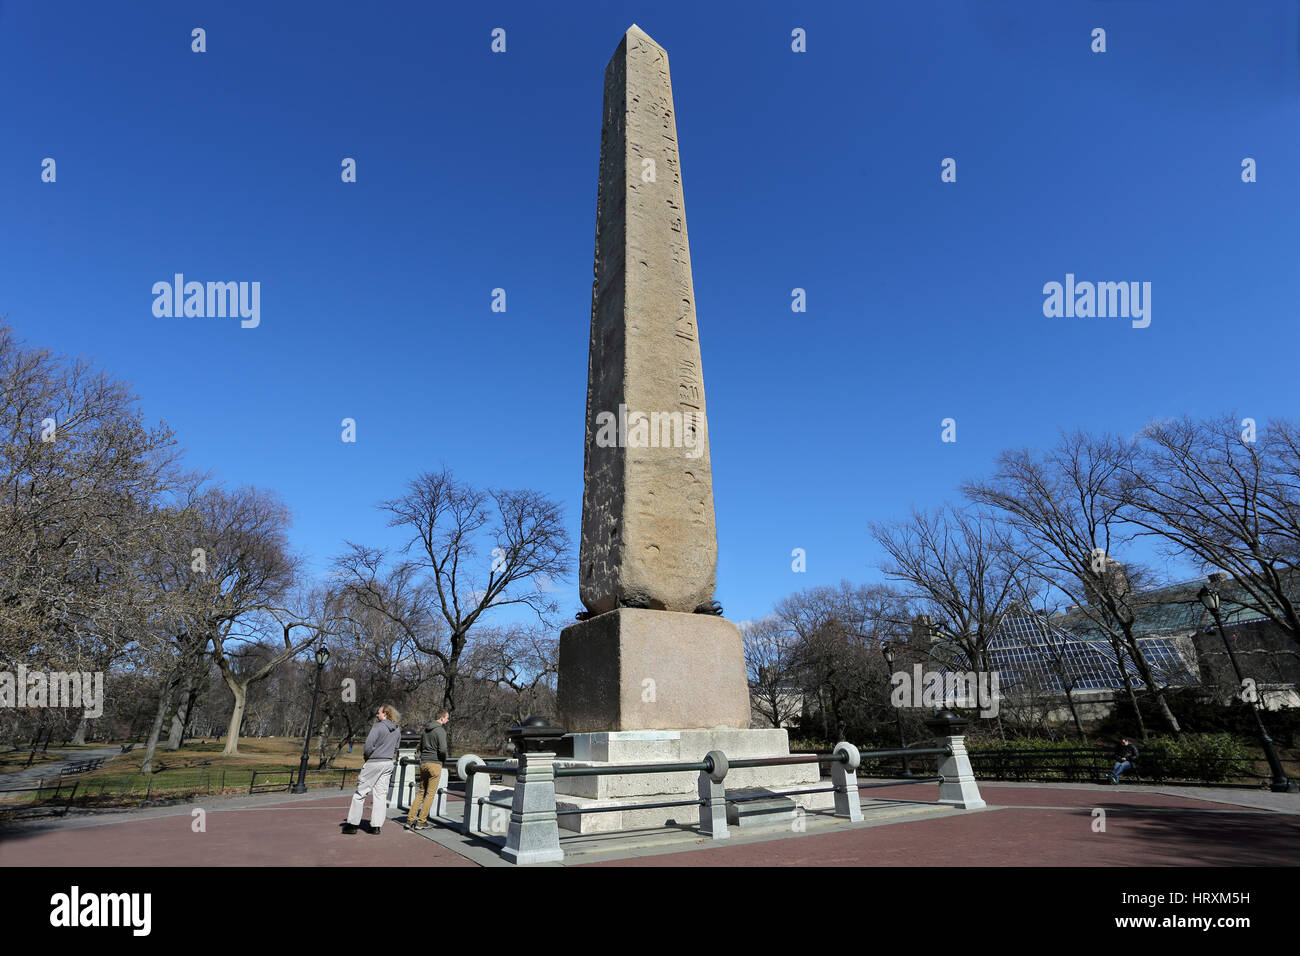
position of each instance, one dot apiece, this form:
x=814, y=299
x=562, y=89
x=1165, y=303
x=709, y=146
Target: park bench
x=126, y=748
x=81, y=766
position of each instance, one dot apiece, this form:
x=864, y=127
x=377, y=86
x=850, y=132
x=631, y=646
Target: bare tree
x=959, y=569
x=516, y=666
x=81, y=477
x=1232, y=503
x=447, y=575
x=837, y=633
x=1064, y=507
x=772, y=665
x=381, y=664
x=245, y=569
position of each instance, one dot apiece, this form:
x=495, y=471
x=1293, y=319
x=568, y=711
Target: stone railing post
x=713, y=797
x=440, y=795
x=958, y=788
x=477, y=785
x=844, y=776
x=534, y=834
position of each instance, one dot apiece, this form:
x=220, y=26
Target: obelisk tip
x=636, y=31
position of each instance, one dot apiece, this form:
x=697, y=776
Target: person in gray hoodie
x=433, y=754
x=377, y=771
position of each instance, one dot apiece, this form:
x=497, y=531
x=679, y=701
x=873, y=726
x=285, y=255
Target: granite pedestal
x=634, y=669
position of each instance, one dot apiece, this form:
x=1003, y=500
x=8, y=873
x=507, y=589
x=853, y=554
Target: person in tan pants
x=433, y=754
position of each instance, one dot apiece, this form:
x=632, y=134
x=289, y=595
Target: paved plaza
x=1024, y=825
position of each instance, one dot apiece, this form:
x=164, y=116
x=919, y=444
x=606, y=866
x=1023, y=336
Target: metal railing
x=292, y=774
x=1087, y=765
x=533, y=805
x=18, y=809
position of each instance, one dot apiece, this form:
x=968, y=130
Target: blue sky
x=817, y=170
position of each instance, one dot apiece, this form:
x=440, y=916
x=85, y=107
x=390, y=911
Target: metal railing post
x=534, y=834
x=844, y=776
x=478, y=786
x=713, y=796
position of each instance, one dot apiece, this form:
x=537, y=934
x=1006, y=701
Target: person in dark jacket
x=433, y=754
x=377, y=771
x=1127, y=756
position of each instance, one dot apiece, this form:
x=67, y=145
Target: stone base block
x=750, y=815
x=672, y=746
x=634, y=669
x=609, y=749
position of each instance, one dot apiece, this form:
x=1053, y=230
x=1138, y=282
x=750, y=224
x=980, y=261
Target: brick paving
x=1025, y=826
x=303, y=832
x=1036, y=826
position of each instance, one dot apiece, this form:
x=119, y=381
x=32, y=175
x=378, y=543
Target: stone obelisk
x=652, y=653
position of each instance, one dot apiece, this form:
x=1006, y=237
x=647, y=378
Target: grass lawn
x=200, y=767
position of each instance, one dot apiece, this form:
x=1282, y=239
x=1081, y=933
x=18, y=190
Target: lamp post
x=888, y=651
x=322, y=655
x=1209, y=597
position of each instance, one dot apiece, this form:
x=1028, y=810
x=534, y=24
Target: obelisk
x=651, y=653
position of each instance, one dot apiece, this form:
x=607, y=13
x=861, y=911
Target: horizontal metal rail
x=288, y=784
x=496, y=803
x=497, y=768
x=783, y=793
x=634, y=806
x=40, y=803
x=705, y=766
x=908, y=752
x=785, y=761
x=900, y=783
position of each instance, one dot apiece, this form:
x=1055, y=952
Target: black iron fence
x=54, y=800
x=1086, y=765
x=315, y=779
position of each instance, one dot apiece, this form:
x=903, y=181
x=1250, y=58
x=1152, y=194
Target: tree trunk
x=449, y=674
x=322, y=736
x=155, y=731
x=1128, y=688
x=1153, y=686
x=79, y=738
x=236, y=717
x=1166, y=713
x=182, y=714
x=1074, y=713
